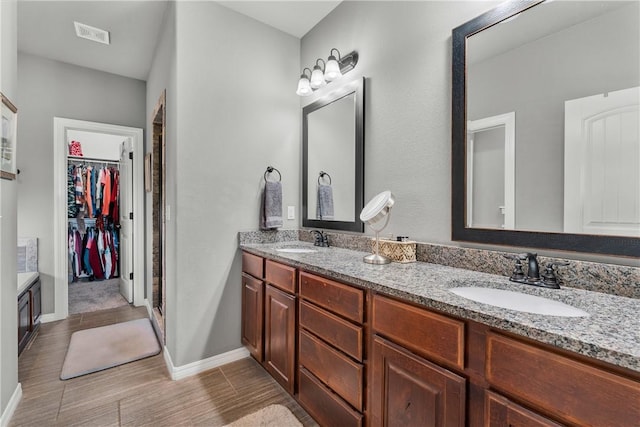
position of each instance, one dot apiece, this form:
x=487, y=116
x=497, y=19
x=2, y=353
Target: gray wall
x=51, y=89
x=163, y=77
x=236, y=113
x=8, y=236
x=405, y=54
x=534, y=81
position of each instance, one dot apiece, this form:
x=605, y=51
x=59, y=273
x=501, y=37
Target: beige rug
x=271, y=416
x=96, y=349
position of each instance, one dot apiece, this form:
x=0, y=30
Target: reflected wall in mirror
x=569, y=73
x=333, y=142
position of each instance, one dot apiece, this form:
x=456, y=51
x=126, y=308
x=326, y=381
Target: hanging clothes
x=72, y=208
x=93, y=201
x=94, y=256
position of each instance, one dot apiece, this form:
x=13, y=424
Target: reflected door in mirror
x=332, y=150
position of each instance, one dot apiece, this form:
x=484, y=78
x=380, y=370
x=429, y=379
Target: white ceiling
x=45, y=28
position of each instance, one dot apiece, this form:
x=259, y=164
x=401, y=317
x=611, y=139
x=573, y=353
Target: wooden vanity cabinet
x=392, y=362
x=568, y=388
x=405, y=388
x=280, y=323
x=253, y=315
x=253, y=305
x=500, y=411
x=24, y=320
x=331, y=350
x=29, y=312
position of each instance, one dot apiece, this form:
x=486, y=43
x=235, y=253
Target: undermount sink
x=296, y=250
x=519, y=301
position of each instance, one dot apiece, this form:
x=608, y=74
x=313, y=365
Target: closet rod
x=76, y=159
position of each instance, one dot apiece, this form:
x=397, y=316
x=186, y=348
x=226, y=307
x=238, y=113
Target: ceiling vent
x=91, y=33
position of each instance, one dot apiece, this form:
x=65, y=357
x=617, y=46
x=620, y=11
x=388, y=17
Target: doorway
x=158, y=166
x=98, y=224
x=491, y=172
x=131, y=285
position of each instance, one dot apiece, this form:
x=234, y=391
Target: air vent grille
x=91, y=33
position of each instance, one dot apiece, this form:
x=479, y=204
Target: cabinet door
x=501, y=412
x=407, y=390
x=252, y=315
x=24, y=320
x=280, y=336
x=36, y=302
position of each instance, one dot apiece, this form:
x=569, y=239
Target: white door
x=126, y=222
x=602, y=164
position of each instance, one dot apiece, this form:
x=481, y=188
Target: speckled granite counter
x=611, y=333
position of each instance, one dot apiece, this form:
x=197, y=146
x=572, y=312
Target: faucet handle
x=517, y=274
x=549, y=278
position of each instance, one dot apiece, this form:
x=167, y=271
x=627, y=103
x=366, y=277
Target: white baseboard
x=180, y=372
x=149, y=308
x=51, y=317
x=11, y=406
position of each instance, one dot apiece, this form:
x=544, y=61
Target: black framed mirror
x=333, y=159
x=476, y=101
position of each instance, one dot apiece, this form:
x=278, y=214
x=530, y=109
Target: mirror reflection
x=553, y=122
x=333, y=140
x=332, y=153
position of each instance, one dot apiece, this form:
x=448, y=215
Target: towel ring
x=322, y=175
x=269, y=170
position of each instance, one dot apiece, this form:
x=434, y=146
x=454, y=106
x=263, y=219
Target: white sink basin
x=296, y=250
x=519, y=301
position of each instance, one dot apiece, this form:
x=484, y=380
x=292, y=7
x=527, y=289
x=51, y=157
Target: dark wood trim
x=606, y=245
x=357, y=87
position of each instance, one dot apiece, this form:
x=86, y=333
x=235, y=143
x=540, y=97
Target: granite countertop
x=611, y=333
x=25, y=280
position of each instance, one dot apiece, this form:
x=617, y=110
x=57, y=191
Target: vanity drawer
x=281, y=276
x=338, y=332
x=338, y=372
x=338, y=298
x=428, y=334
x=253, y=265
x=572, y=390
x=323, y=405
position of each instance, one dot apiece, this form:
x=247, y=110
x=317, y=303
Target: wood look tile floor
x=137, y=393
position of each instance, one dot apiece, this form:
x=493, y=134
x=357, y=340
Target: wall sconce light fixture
x=333, y=69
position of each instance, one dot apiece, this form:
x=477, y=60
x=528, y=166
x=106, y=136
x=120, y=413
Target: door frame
x=61, y=280
x=508, y=121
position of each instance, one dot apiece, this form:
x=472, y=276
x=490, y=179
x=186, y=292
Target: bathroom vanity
x=359, y=344
x=29, y=307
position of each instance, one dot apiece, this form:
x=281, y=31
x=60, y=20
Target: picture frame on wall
x=8, y=131
x=148, y=179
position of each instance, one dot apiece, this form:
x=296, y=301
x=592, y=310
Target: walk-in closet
x=93, y=220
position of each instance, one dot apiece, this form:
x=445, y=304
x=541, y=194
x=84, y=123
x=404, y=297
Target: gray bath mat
x=96, y=349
